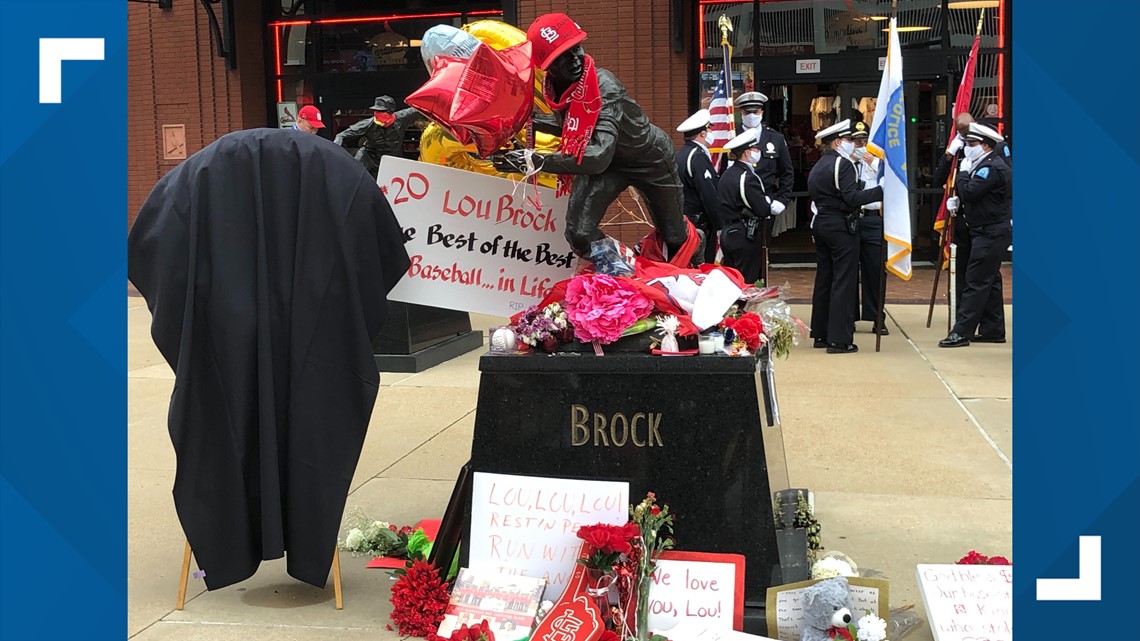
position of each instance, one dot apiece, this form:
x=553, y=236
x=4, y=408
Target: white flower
x=829, y=567
x=380, y=525
x=871, y=628
x=354, y=539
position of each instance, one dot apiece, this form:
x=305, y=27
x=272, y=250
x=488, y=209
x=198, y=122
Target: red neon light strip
x=412, y=16
x=277, y=56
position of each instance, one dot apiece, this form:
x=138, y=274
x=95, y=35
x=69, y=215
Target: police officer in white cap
x=961, y=235
x=699, y=180
x=838, y=195
x=774, y=162
x=745, y=207
x=985, y=188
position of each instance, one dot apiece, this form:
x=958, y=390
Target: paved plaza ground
x=909, y=452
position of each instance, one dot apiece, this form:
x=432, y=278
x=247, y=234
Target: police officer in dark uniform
x=774, y=162
x=382, y=134
x=871, y=265
x=837, y=194
x=961, y=236
x=744, y=206
x=699, y=180
x=985, y=188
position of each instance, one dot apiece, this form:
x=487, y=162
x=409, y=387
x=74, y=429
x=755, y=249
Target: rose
x=998, y=560
x=597, y=537
x=478, y=632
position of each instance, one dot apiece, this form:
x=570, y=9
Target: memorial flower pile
x=419, y=599
x=974, y=558
x=372, y=538
x=544, y=328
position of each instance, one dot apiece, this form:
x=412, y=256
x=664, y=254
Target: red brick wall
x=175, y=78
x=633, y=39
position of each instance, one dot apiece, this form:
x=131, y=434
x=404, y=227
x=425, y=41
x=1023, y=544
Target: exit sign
x=807, y=66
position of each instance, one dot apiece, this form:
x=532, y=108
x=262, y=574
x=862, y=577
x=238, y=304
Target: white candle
x=707, y=345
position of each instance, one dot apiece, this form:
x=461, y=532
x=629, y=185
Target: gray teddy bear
x=827, y=605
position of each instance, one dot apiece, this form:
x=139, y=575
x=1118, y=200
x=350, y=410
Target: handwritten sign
x=968, y=602
x=697, y=585
x=528, y=525
x=785, y=609
x=477, y=243
x=690, y=630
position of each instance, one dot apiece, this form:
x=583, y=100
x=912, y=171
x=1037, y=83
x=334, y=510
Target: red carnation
x=419, y=599
x=748, y=329
x=999, y=560
x=973, y=558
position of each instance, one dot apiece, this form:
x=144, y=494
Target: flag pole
x=881, y=313
x=948, y=231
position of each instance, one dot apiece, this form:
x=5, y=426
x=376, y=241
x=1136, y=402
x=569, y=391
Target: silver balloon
x=446, y=40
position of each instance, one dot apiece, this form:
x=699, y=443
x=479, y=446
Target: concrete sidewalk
x=909, y=452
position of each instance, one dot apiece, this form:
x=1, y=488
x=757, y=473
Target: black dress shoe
x=819, y=343
x=954, y=340
x=836, y=348
x=988, y=339
x=883, y=331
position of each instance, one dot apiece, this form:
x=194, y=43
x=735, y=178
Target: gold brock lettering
x=642, y=429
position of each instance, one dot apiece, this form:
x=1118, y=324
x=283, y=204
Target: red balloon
x=484, y=99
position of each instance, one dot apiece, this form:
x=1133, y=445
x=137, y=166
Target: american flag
x=721, y=128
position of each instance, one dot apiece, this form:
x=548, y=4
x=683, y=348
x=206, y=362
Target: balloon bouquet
x=482, y=92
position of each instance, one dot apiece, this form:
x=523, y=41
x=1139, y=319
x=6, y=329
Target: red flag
x=961, y=105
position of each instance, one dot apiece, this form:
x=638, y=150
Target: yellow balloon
x=437, y=147
x=500, y=35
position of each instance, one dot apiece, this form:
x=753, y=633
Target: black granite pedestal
x=687, y=428
x=416, y=338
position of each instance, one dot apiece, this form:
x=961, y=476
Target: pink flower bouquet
x=601, y=307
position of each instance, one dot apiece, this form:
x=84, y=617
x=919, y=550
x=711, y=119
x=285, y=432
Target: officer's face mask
x=752, y=120
x=973, y=152
x=846, y=147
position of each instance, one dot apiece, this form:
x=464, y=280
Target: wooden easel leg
x=184, y=577
x=336, y=580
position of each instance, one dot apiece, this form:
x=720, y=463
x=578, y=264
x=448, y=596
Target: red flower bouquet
x=974, y=558
x=419, y=598
x=608, y=543
x=748, y=328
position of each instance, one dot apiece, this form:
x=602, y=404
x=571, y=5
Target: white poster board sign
x=786, y=613
x=528, y=525
x=477, y=243
x=700, y=587
x=286, y=115
x=965, y=602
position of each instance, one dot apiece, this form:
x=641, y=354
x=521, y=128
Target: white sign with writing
x=708, y=588
x=786, y=615
x=477, y=243
x=695, y=631
x=528, y=525
x=882, y=62
x=807, y=66
x=968, y=602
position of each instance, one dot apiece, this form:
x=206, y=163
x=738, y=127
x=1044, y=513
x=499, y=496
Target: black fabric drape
x=266, y=259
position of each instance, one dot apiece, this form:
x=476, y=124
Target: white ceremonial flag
x=888, y=141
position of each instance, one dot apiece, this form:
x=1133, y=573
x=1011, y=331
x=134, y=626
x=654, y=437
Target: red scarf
x=839, y=633
x=582, y=103
x=383, y=119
